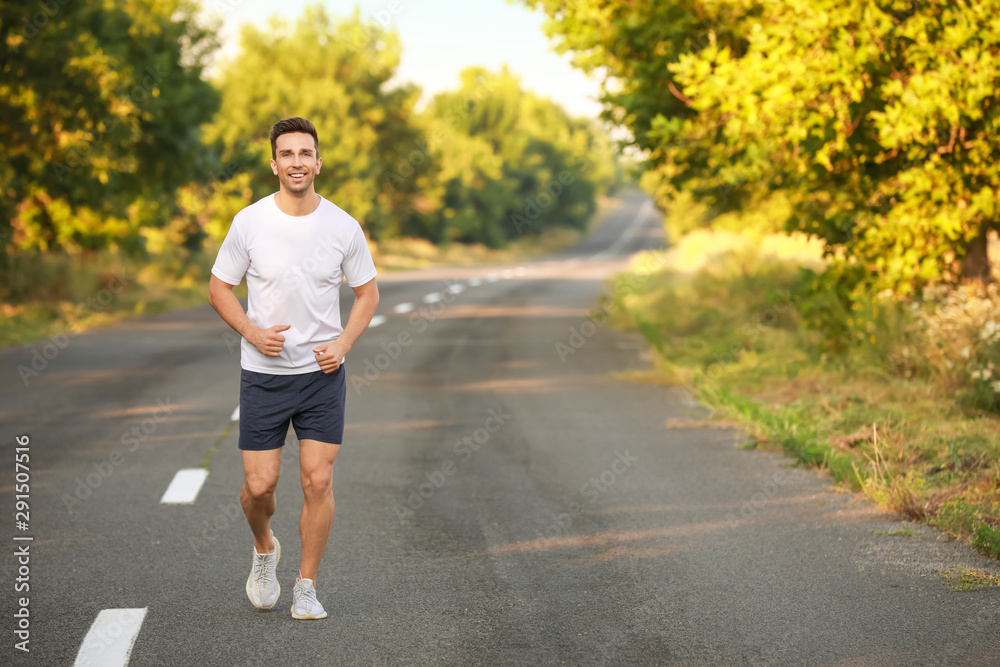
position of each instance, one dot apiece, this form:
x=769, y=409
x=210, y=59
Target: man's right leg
x=260, y=470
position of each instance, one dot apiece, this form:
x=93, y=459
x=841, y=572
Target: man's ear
x=274, y=167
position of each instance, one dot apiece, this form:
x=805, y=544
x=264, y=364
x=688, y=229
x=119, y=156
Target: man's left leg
x=316, y=468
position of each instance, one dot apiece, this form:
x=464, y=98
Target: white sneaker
x=304, y=602
x=263, y=588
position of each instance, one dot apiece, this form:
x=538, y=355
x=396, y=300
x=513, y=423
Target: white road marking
x=475, y=282
x=235, y=417
x=110, y=639
x=403, y=308
x=492, y=278
x=640, y=217
x=185, y=486
x=433, y=297
x=377, y=321
x=457, y=288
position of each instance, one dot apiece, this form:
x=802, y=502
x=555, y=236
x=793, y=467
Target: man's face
x=296, y=163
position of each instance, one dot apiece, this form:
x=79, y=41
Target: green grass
x=968, y=579
x=722, y=319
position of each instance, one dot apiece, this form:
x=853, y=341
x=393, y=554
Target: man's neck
x=297, y=206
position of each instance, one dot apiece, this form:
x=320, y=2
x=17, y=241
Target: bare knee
x=317, y=483
x=259, y=487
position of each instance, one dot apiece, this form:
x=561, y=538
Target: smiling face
x=296, y=163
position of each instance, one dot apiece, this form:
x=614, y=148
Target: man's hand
x=270, y=341
x=330, y=355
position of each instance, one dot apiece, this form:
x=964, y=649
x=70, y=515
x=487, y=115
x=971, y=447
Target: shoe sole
x=307, y=617
x=277, y=558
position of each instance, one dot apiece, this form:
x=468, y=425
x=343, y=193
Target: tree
x=100, y=109
x=879, y=118
x=552, y=167
x=630, y=46
x=875, y=119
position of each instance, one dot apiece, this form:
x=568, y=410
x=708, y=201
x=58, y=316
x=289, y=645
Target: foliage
x=875, y=118
x=631, y=46
x=512, y=163
x=100, y=107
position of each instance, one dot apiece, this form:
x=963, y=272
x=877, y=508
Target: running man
x=295, y=248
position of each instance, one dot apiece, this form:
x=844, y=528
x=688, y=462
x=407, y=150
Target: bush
x=987, y=540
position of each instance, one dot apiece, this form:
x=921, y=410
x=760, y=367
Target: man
x=295, y=248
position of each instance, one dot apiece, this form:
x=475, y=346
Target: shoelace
x=262, y=567
x=306, y=596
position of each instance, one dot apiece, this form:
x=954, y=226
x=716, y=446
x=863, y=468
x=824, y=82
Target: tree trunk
x=976, y=263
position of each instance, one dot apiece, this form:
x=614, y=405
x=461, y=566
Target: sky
x=442, y=37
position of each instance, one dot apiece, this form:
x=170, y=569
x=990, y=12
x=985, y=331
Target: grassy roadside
x=723, y=314
x=73, y=294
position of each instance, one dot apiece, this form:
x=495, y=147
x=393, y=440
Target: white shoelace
x=307, y=596
x=262, y=567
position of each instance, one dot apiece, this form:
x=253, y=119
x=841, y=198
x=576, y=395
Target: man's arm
x=331, y=355
x=268, y=341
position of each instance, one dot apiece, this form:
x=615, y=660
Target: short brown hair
x=288, y=126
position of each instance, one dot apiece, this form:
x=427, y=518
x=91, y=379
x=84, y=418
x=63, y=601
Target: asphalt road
x=502, y=499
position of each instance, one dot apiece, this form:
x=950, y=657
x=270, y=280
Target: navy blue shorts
x=314, y=402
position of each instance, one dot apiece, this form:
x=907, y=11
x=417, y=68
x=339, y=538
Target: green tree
x=630, y=46
x=100, y=109
x=879, y=118
x=873, y=120
x=551, y=167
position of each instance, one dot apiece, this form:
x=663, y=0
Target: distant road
x=501, y=500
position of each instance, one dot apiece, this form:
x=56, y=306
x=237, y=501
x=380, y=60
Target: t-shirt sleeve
x=233, y=260
x=358, y=265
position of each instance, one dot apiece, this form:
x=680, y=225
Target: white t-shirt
x=294, y=266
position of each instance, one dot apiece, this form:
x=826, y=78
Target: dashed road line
x=110, y=639
x=377, y=321
x=433, y=297
x=403, y=308
x=185, y=486
x=475, y=282
x=235, y=417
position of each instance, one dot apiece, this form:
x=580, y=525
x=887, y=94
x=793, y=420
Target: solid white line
x=640, y=217
x=403, y=308
x=433, y=297
x=235, y=417
x=377, y=321
x=185, y=486
x=110, y=639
